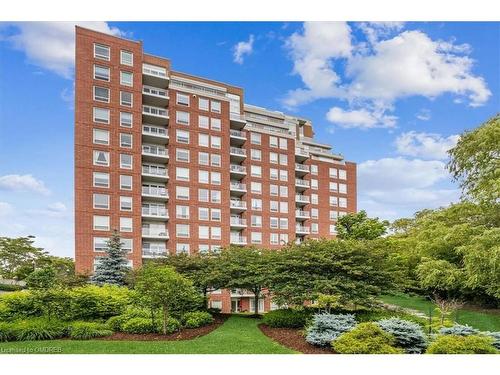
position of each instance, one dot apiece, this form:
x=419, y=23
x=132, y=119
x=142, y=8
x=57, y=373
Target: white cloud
x=5, y=209
x=361, y=118
x=51, y=45
x=423, y=115
x=27, y=182
x=375, y=30
x=425, y=145
x=243, y=48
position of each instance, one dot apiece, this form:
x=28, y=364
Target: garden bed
x=184, y=334
x=292, y=338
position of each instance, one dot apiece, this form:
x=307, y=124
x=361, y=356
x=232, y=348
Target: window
x=125, y=140
x=203, y=177
x=333, y=172
x=126, y=58
x=126, y=203
x=274, y=239
x=203, y=213
x=256, y=221
x=283, y=191
x=255, y=154
x=101, y=52
x=203, y=195
x=203, y=122
x=283, y=238
x=101, y=201
x=203, y=104
x=274, y=190
x=215, y=214
x=215, y=178
x=126, y=98
x=255, y=138
x=333, y=229
x=101, y=115
x=343, y=188
x=127, y=244
x=333, y=186
x=182, y=248
x=126, y=79
x=334, y=215
x=182, y=136
x=182, y=174
x=256, y=237
x=314, y=213
x=101, y=158
x=126, y=161
x=314, y=228
x=182, y=155
x=216, y=233
x=273, y=174
x=215, y=141
x=256, y=171
x=101, y=222
x=334, y=201
x=256, y=187
x=216, y=160
x=182, y=99
x=101, y=137
x=273, y=141
x=203, y=249
x=101, y=179
x=215, y=196
x=203, y=232
x=101, y=73
x=283, y=143
x=101, y=94
x=274, y=222
x=182, y=230
x=215, y=106
x=126, y=119
x=203, y=140
x=215, y=124
x=182, y=192
x=314, y=198
x=343, y=202
x=273, y=157
x=203, y=158
x=342, y=174
x=314, y=169
x=216, y=305
x=182, y=117
x=182, y=212
x=314, y=184
x=273, y=206
x=283, y=175
x=125, y=182
x=283, y=223
x=283, y=159
x=256, y=204
x=342, y=213
x=101, y=244
x=284, y=207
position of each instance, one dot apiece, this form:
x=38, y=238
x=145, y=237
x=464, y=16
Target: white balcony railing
x=238, y=240
x=302, y=183
x=237, y=133
x=237, y=168
x=154, y=170
x=154, y=130
x=237, y=151
x=238, y=221
x=302, y=229
x=236, y=117
x=154, y=253
x=302, y=213
x=154, y=71
x=155, y=233
x=238, y=186
x=302, y=198
x=238, y=204
x=150, y=90
x=153, y=191
x=154, y=111
x=301, y=167
x=156, y=211
x=301, y=151
x=154, y=150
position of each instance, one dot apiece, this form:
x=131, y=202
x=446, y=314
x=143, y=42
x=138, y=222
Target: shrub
x=145, y=325
x=20, y=304
x=116, y=322
x=10, y=287
x=196, y=319
x=327, y=327
x=286, y=318
x=459, y=330
x=98, y=302
x=408, y=335
x=496, y=339
x=6, y=332
x=38, y=329
x=366, y=338
x=88, y=330
x=455, y=344
x=213, y=310
x=379, y=314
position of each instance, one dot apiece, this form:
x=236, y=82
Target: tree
x=43, y=278
x=245, y=268
x=112, y=268
x=162, y=287
x=358, y=226
x=18, y=257
x=475, y=162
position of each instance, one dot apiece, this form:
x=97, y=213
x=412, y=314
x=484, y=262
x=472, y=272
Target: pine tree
x=112, y=268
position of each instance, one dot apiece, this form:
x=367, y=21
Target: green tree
x=43, y=278
x=358, y=226
x=162, y=287
x=19, y=257
x=112, y=268
x=475, y=162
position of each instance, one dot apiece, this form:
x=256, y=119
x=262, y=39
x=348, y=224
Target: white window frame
x=97, y=55
x=101, y=120
x=124, y=61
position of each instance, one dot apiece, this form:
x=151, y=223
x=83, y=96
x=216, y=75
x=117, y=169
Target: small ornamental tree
x=112, y=268
x=358, y=226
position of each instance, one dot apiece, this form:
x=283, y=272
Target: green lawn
x=483, y=320
x=238, y=335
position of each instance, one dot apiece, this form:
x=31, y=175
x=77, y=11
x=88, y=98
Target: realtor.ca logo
x=27, y=350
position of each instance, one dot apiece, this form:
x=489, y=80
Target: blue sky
x=390, y=96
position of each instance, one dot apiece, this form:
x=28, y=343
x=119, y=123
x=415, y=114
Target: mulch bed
x=184, y=334
x=292, y=338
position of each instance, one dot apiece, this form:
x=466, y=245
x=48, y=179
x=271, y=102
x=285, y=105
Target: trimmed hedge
x=454, y=344
x=366, y=338
x=286, y=318
x=88, y=330
x=196, y=319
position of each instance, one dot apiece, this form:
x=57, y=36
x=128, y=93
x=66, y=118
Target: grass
x=484, y=320
x=238, y=335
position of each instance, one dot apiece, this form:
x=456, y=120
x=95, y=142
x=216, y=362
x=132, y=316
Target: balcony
x=301, y=199
x=154, y=173
x=155, y=234
x=238, y=222
x=147, y=253
x=301, y=185
x=237, y=171
x=154, y=153
x=237, y=137
x=155, y=76
x=302, y=230
x=154, y=133
x=237, y=188
x=302, y=215
x=238, y=240
x=154, y=115
x=154, y=96
x=237, y=154
x=237, y=205
x=301, y=169
x=242, y=293
x=301, y=154
x=153, y=192
x=237, y=120
x=155, y=212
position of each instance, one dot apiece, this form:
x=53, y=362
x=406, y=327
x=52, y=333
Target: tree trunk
x=256, y=303
x=165, y=317
x=205, y=297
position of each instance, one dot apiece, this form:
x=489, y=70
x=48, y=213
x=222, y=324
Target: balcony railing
x=237, y=151
x=302, y=198
x=302, y=229
x=157, y=131
x=154, y=150
x=154, y=170
x=301, y=167
x=236, y=117
x=154, y=71
x=301, y=151
x=238, y=186
x=238, y=221
x=154, y=111
x=238, y=204
x=237, y=133
x=155, y=233
x=154, y=253
x=150, y=90
x=302, y=213
x=238, y=240
x=155, y=211
x=300, y=182
x=160, y=192
x=237, y=168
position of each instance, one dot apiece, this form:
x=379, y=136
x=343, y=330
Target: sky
x=392, y=97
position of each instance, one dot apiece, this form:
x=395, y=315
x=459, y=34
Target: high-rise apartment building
x=178, y=163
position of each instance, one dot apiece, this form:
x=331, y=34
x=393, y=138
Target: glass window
x=283, y=223
x=215, y=196
x=101, y=179
x=203, y=195
x=126, y=98
x=101, y=115
x=284, y=207
x=283, y=159
x=273, y=190
x=343, y=202
x=182, y=248
x=256, y=187
x=126, y=79
x=127, y=244
x=203, y=212
x=216, y=160
x=274, y=222
x=256, y=171
x=182, y=155
x=333, y=215
x=333, y=229
x=182, y=230
x=314, y=198
x=333, y=186
x=256, y=221
x=126, y=58
x=126, y=203
x=101, y=137
x=314, y=213
x=101, y=201
x=101, y=244
x=215, y=214
x=216, y=233
x=101, y=52
x=273, y=174
x=283, y=143
x=273, y=157
x=314, y=184
x=203, y=122
x=126, y=119
x=203, y=140
x=125, y=140
x=101, y=158
x=314, y=169
x=125, y=182
x=256, y=154
x=215, y=124
x=182, y=212
x=182, y=99
x=182, y=117
x=342, y=174
x=255, y=138
x=215, y=141
x=203, y=232
x=283, y=175
x=203, y=177
x=203, y=104
x=283, y=191
x=203, y=158
x=126, y=161
x=273, y=141
x=182, y=174
x=333, y=172
x=274, y=239
x=215, y=106
x=215, y=178
x=274, y=206
x=101, y=94
x=182, y=136
x=343, y=188
x=256, y=204
x=283, y=239
x=256, y=237
x=101, y=222
x=334, y=201
x=182, y=192
x=314, y=228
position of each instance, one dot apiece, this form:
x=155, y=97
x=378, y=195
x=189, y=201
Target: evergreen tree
x=112, y=269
